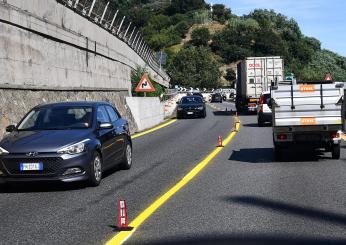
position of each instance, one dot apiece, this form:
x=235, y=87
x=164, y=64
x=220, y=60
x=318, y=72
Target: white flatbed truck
x=307, y=115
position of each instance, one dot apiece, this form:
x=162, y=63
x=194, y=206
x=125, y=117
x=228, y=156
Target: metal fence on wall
x=116, y=24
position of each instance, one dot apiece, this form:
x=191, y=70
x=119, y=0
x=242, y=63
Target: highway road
x=243, y=196
x=73, y=214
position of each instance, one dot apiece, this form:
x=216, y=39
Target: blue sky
x=322, y=19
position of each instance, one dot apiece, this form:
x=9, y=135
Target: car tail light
x=335, y=135
x=281, y=137
x=262, y=100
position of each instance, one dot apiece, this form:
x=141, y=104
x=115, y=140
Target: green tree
x=195, y=67
x=221, y=13
x=184, y=6
x=230, y=75
x=200, y=37
x=182, y=28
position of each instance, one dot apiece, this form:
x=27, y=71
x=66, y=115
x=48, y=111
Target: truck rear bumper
x=300, y=136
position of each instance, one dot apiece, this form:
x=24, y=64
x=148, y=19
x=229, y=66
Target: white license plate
x=190, y=113
x=31, y=166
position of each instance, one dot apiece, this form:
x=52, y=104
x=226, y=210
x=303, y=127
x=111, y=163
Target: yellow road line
x=122, y=236
x=153, y=129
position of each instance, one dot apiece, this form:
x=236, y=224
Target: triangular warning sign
x=145, y=85
x=328, y=77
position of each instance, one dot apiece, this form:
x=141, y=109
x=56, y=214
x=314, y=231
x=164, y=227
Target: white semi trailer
x=254, y=76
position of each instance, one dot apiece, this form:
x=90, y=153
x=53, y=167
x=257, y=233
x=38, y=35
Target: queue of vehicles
x=302, y=114
x=78, y=141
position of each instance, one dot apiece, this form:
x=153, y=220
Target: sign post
x=145, y=85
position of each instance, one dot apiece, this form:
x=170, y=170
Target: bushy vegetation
x=195, y=67
x=164, y=24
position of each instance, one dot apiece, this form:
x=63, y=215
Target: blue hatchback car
x=70, y=141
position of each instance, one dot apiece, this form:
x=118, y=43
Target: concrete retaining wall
x=43, y=43
x=147, y=111
x=15, y=103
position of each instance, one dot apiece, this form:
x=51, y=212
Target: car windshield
x=57, y=118
x=191, y=100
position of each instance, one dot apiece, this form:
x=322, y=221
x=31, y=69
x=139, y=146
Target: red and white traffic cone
x=123, y=223
x=219, y=141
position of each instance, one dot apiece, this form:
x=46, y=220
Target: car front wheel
x=127, y=158
x=96, y=170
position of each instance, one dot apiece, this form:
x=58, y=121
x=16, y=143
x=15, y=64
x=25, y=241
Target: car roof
x=74, y=103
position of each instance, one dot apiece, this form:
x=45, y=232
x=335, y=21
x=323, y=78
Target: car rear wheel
x=127, y=158
x=96, y=170
x=336, y=151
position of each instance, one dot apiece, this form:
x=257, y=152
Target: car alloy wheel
x=129, y=155
x=127, y=158
x=97, y=168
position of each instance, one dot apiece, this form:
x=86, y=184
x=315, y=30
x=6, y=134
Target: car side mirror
x=106, y=126
x=10, y=128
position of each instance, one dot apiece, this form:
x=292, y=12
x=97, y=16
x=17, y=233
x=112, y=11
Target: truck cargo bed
x=302, y=105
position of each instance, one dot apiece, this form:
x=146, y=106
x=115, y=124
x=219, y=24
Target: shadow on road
x=224, y=113
x=249, y=239
x=40, y=187
x=287, y=208
x=255, y=125
x=266, y=155
x=253, y=155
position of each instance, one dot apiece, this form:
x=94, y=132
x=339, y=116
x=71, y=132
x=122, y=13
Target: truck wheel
x=277, y=153
x=336, y=151
x=260, y=123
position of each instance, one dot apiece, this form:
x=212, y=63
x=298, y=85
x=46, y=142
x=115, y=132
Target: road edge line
x=122, y=236
x=153, y=129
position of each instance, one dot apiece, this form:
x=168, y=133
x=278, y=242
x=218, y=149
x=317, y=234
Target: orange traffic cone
x=219, y=141
x=122, y=216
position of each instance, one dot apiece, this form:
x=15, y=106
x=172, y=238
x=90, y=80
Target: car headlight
x=180, y=109
x=3, y=151
x=74, y=149
x=200, y=108
x=1, y=173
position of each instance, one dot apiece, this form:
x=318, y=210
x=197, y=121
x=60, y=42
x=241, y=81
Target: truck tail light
x=282, y=136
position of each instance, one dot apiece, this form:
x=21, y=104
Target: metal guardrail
x=117, y=25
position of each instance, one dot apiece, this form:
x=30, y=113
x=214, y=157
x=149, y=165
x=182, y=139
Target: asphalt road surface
x=245, y=197
x=73, y=214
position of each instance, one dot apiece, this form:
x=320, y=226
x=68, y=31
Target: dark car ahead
x=191, y=106
x=216, y=97
x=67, y=142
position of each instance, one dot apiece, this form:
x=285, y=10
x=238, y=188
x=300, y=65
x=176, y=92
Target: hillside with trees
x=164, y=25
